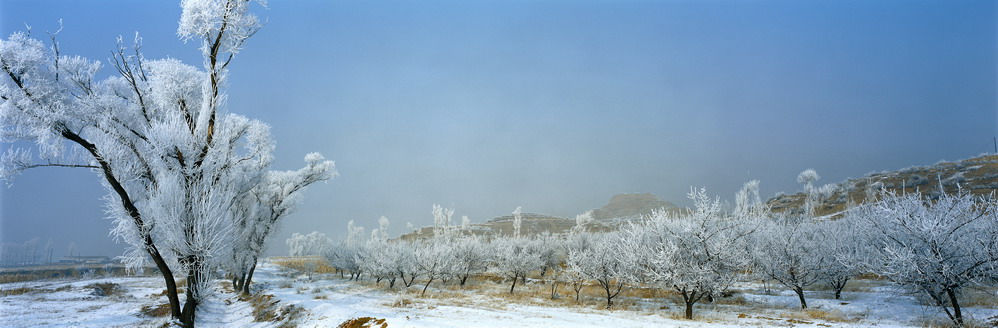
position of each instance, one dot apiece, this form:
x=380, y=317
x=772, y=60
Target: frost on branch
x=936, y=247
x=601, y=261
x=699, y=254
x=189, y=186
x=227, y=23
x=789, y=251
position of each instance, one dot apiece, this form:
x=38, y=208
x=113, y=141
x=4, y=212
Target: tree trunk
x=171, y=284
x=800, y=295
x=609, y=298
x=412, y=279
x=554, y=289
x=391, y=283
x=689, y=298
x=957, y=314
x=425, y=286
x=249, y=278
x=464, y=279
x=190, y=306
x=133, y=212
x=187, y=315
x=838, y=285
x=513, y=286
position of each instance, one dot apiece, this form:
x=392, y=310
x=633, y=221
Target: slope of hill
x=632, y=205
x=622, y=208
x=978, y=175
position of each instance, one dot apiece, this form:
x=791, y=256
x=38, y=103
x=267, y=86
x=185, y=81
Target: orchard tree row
x=936, y=247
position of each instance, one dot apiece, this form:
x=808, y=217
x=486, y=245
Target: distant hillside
x=632, y=205
x=621, y=208
x=978, y=175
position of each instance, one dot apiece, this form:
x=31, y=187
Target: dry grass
x=864, y=285
x=983, y=298
x=735, y=299
x=157, y=311
x=942, y=322
x=9, y=278
x=180, y=291
x=263, y=306
x=19, y=291
x=314, y=264
x=364, y=322
x=266, y=309
x=816, y=314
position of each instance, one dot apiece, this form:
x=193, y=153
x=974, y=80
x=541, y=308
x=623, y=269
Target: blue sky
x=557, y=105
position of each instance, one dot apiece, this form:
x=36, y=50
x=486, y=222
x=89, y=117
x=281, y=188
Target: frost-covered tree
x=602, y=262
x=826, y=191
x=465, y=224
x=552, y=254
x=403, y=259
x=789, y=251
x=937, y=247
x=377, y=261
x=582, y=221
x=548, y=247
x=442, y=224
x=513, y=259
x=699, y=254
x=807, y=178
x=517, y=221
x=313, y=244
x=173, y=162
x=381, y=233
x=842, y=245
x=389, y=260
x=471, y=256
x=435, y=259
x=747, y=200
x=261, y=209
x=576, y=241
x=343, y=256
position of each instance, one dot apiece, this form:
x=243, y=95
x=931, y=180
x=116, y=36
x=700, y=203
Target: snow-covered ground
x=327, y=301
